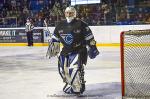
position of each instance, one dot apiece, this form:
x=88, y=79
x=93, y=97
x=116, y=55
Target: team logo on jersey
x=69, y=39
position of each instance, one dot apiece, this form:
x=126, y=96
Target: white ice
x=25, y=73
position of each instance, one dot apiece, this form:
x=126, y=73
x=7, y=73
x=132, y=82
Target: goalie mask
x=70, y=14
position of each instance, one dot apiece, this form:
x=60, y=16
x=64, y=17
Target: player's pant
x=71, y=70
x=30, y=38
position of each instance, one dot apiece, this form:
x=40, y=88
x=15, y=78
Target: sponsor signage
x=47, y=32
x=19, y=36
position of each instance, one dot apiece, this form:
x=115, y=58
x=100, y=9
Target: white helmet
x=73, y=10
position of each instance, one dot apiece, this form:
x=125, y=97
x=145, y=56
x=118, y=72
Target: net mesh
x=137, y=63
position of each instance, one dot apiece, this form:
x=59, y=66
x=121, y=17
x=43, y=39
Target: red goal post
x=135, y=63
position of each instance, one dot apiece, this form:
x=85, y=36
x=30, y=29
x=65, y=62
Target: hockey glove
x=53, y=48
x=93, y=52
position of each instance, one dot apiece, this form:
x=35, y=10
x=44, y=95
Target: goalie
x=78, y=43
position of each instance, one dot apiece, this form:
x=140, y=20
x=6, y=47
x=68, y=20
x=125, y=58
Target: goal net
x=135, y=64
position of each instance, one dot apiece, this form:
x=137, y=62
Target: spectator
x=39, y=22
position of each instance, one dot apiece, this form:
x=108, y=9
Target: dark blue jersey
x=74, y=36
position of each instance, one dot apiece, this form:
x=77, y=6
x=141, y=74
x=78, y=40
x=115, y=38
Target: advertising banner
x=19, y=36
x=46, y=33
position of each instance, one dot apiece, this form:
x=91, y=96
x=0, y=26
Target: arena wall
x=104, y=35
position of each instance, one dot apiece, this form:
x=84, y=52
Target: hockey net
x=135, y=64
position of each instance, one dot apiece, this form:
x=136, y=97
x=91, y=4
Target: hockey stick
x=50, y=35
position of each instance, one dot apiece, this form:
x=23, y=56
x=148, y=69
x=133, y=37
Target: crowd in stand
x=13, y=13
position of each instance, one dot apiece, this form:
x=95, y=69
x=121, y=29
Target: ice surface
x=25, y=73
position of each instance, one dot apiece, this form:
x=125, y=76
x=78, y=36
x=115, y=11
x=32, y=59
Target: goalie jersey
x=74, y=36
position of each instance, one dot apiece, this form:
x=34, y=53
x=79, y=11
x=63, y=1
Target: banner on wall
x=19, y=36
x=46, y=33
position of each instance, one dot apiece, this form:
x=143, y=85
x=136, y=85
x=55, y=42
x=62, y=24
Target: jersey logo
x=69, y=39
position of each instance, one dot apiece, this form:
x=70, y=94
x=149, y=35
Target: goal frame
x=122, y=62
x=122, y=49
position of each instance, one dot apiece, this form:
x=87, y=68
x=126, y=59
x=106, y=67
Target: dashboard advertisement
x=19, y=36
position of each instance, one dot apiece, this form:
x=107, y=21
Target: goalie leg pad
x=61, y=60
x=69, y=69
